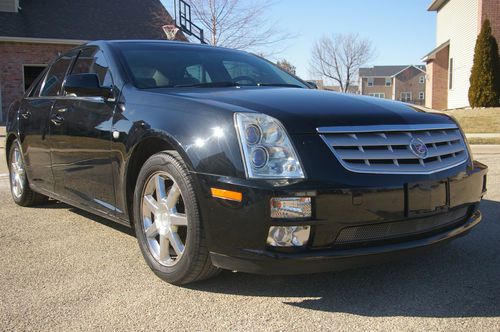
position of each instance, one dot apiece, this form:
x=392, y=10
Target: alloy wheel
x=164, y=218
x=17, y=173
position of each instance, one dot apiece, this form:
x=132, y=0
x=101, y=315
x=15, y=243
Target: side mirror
x=86, y=85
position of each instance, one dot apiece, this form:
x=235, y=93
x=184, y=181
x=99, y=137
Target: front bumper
x=237, y=231
x=273, y=263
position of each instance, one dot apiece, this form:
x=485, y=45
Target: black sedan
x=220, y=160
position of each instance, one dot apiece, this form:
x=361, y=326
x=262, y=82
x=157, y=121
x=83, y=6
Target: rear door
x=80, y=135
x=34, y=124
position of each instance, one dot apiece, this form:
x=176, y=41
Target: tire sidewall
x=165, y=163
x=22, y=198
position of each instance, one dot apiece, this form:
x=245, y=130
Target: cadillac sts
x=218, y=159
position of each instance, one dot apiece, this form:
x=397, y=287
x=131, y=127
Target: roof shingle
x=384, y=71
x=86, y=19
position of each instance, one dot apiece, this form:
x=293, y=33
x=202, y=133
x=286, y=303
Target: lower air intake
x=399, y=229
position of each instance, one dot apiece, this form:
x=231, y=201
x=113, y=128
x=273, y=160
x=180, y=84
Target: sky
x=402, y=31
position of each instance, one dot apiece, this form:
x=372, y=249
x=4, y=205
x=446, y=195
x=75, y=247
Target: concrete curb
x=485, y=149
x=483, y=135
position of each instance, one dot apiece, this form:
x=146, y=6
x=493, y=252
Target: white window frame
x=404, y=96
x=450, y=74
x=388, y=81
x=370, y=81
x=31, y=65
x=421, y=95
x=377, y=95
x=421, y=79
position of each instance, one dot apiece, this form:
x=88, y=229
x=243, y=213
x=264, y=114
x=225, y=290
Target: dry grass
x=486, y=120
x=483, y=140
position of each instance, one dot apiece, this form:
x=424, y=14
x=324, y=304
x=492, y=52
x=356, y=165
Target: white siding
x=9, y=5
x=457, y=21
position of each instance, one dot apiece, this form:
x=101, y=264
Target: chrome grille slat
x=376, y=154
x=373, y=139
x=382, y=149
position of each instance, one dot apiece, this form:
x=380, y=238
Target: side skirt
x=81, y=206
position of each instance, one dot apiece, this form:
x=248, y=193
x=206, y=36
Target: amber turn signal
x=227, y=194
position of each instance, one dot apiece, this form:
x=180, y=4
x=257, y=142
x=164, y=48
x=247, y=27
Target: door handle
x=57, y=119
x=25, y=114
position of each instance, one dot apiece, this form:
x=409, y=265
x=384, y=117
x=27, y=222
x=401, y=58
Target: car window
x=198, y=73
x=244, y=72
x=35, y=91
x=165, y=66
x=93, y=61
x=55, y=76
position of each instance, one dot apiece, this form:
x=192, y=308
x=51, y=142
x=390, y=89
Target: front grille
x=368, y=234
x=391, y=149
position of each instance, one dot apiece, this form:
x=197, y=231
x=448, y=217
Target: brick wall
x=491, y=9
x=409, y=81
x=378, y=87
x=437, y=81
x=12, y=58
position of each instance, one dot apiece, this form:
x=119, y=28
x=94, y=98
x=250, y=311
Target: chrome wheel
x=164, y=218
x=17, y=174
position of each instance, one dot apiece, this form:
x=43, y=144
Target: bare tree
x=287, y=66
x=240, y=24
x=339, y=58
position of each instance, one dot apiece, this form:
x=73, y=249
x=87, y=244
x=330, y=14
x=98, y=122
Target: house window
x=421, y=79
x=388, y=81
x=450, y=70
x=406, y=96
x=377, y=95
x=30, y=74
x=421, y=95
x=370, y=81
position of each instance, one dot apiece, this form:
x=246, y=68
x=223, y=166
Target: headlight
x=266, y=148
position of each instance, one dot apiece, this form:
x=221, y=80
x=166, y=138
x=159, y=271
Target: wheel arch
x=8, y=143
x=145, y=147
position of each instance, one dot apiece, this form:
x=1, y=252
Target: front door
x=80, y=138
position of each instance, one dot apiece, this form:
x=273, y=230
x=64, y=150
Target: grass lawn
x=478, y=120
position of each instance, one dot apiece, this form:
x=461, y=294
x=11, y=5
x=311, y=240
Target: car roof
x=159, y=42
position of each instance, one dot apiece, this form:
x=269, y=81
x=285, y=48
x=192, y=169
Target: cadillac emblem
x=419, y=148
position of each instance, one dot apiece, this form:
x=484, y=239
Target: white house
x=449, y=64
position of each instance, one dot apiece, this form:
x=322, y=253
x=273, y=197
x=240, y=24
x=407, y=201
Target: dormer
x=11, y=6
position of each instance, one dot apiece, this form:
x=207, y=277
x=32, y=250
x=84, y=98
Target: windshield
x=168, y=66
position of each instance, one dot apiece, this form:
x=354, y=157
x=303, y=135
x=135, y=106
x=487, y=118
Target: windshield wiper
x=208, y=85
x=280, y=84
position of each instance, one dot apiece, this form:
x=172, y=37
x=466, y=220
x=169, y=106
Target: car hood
x=305, y=110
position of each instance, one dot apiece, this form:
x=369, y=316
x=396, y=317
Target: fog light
x=289, y=236
x=290, y=207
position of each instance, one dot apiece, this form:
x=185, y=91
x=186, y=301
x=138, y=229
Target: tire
x=167, y=221
x=19, y=185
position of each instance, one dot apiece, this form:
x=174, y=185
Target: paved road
x=63, y=269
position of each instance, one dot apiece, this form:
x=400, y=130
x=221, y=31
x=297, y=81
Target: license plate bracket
x=427, y=197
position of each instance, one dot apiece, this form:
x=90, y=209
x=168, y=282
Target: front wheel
x=167, y=221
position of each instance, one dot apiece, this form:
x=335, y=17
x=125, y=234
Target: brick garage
x=437, y=73
x=13, y=58
x=34, y=32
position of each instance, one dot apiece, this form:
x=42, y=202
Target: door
x=34, y=124
x=80, y=136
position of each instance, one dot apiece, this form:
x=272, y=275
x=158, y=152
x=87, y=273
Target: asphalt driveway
x=64, y=269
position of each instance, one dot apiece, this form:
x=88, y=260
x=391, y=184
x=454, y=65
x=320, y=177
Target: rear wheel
x=19, y=186
x=167, y=221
